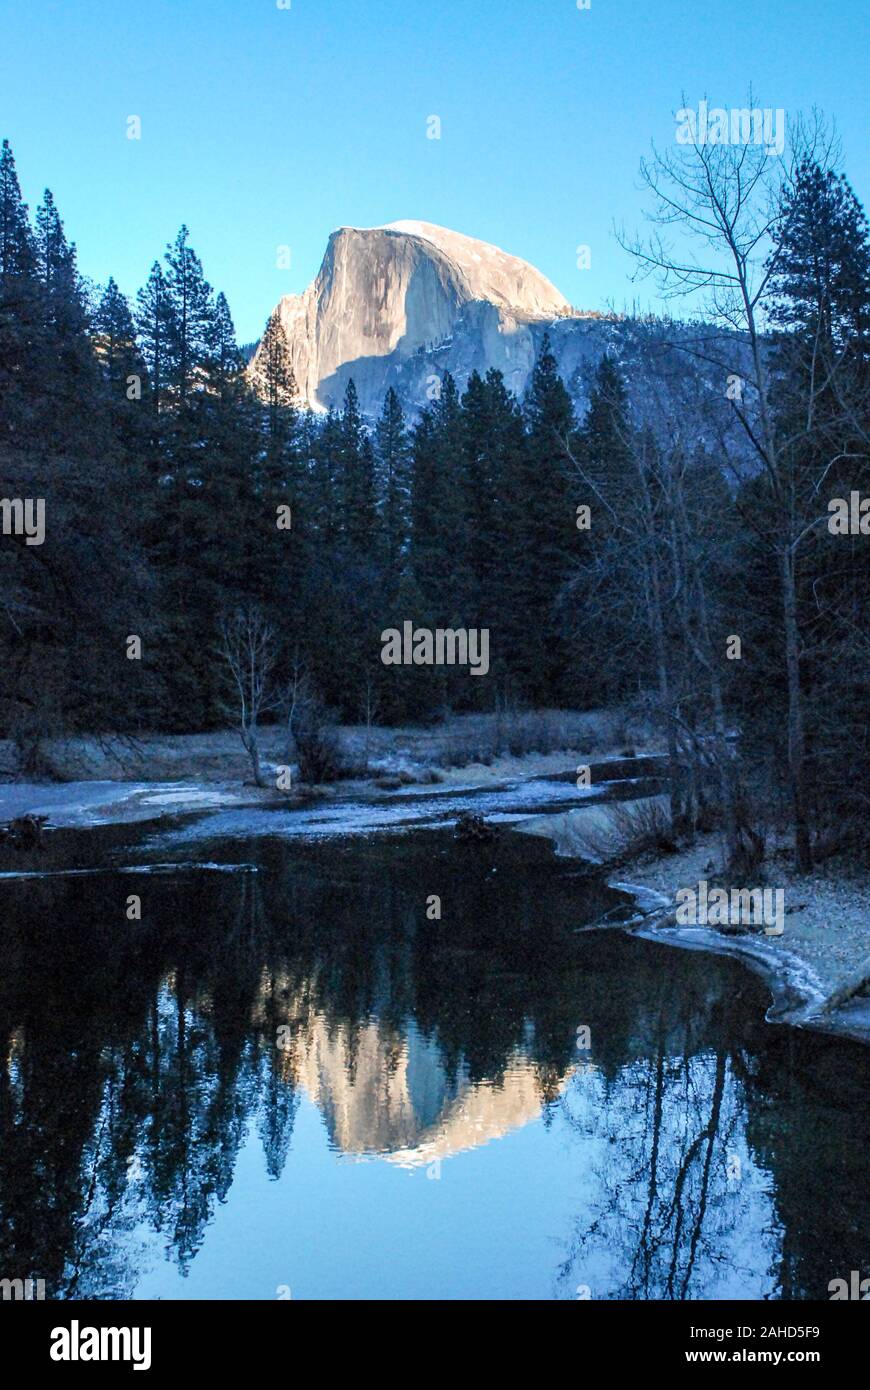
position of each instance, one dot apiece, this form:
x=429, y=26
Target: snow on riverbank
x=823, y=953
x=107, y=803
x=229, y=814
x=344, y=808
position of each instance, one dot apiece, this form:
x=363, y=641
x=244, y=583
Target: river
x=386, y=1065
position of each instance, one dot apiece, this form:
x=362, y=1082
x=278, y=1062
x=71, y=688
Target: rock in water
x=473, y=830
x=25, y=832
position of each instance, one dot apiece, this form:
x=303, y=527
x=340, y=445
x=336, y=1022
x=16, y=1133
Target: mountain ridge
x=401, y=304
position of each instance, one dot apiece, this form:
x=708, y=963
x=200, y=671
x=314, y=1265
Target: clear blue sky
x=263, y=126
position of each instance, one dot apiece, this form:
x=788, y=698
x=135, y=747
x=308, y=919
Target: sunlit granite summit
x=401, y=304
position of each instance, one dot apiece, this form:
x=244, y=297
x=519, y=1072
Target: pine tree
x=439, y=519
x=494, y=444
x=122, y=371
x=191, y=344
x=819, y=304
x=820, y=283
x=281, y=479
x=116, y=339
x=393, y=456
x=190, y=321
x=276, y=379
x=606, y=601
x=21, y=332
x=56, y=266
x=153, y=316
x=224, y=359
x=326, y=480
x=68, y=368
x=17, y=251
x=356, y=477
x=542, y=533
x=604, y=445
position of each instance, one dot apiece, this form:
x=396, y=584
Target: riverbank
x=818, y=970
x=531, y=759
x=482, y=747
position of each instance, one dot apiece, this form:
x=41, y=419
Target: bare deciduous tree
x=725, y=201
x=249, y=647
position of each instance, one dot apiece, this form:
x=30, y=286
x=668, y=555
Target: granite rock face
x=403, y=304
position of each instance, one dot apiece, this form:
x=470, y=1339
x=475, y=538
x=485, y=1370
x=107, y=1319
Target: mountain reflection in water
x=292, y=1078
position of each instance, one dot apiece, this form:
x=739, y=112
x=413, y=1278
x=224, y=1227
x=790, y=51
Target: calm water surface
x=287, y=1081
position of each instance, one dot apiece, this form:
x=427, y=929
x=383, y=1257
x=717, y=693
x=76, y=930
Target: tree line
x=669, y=545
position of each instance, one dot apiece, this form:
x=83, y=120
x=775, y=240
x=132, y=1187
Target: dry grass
x=458, y=742
x=629, y=831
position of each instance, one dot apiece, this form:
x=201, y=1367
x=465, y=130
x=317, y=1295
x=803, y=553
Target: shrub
x=318, y=744
x=632, y=830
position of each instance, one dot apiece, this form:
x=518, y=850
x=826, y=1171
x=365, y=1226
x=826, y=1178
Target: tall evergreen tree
x=123, y=373
x=356, y=476
x=326, y=485
x=224, y=359
x=542, y=533
x=277, y=382
x=17, y=250
x=393, y=457
x=20, y=301
x=819, y=304
x=56, y=266
x=495, y=445
x=69, y=363
x=153, y=317
x=115, y=339
x=495, y=450
x=820, y=279
x=439, y=502
x=190, y=321
x=191, y=341
x=604, y=451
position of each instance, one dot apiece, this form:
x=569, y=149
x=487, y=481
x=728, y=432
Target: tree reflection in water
x=713, y=1149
